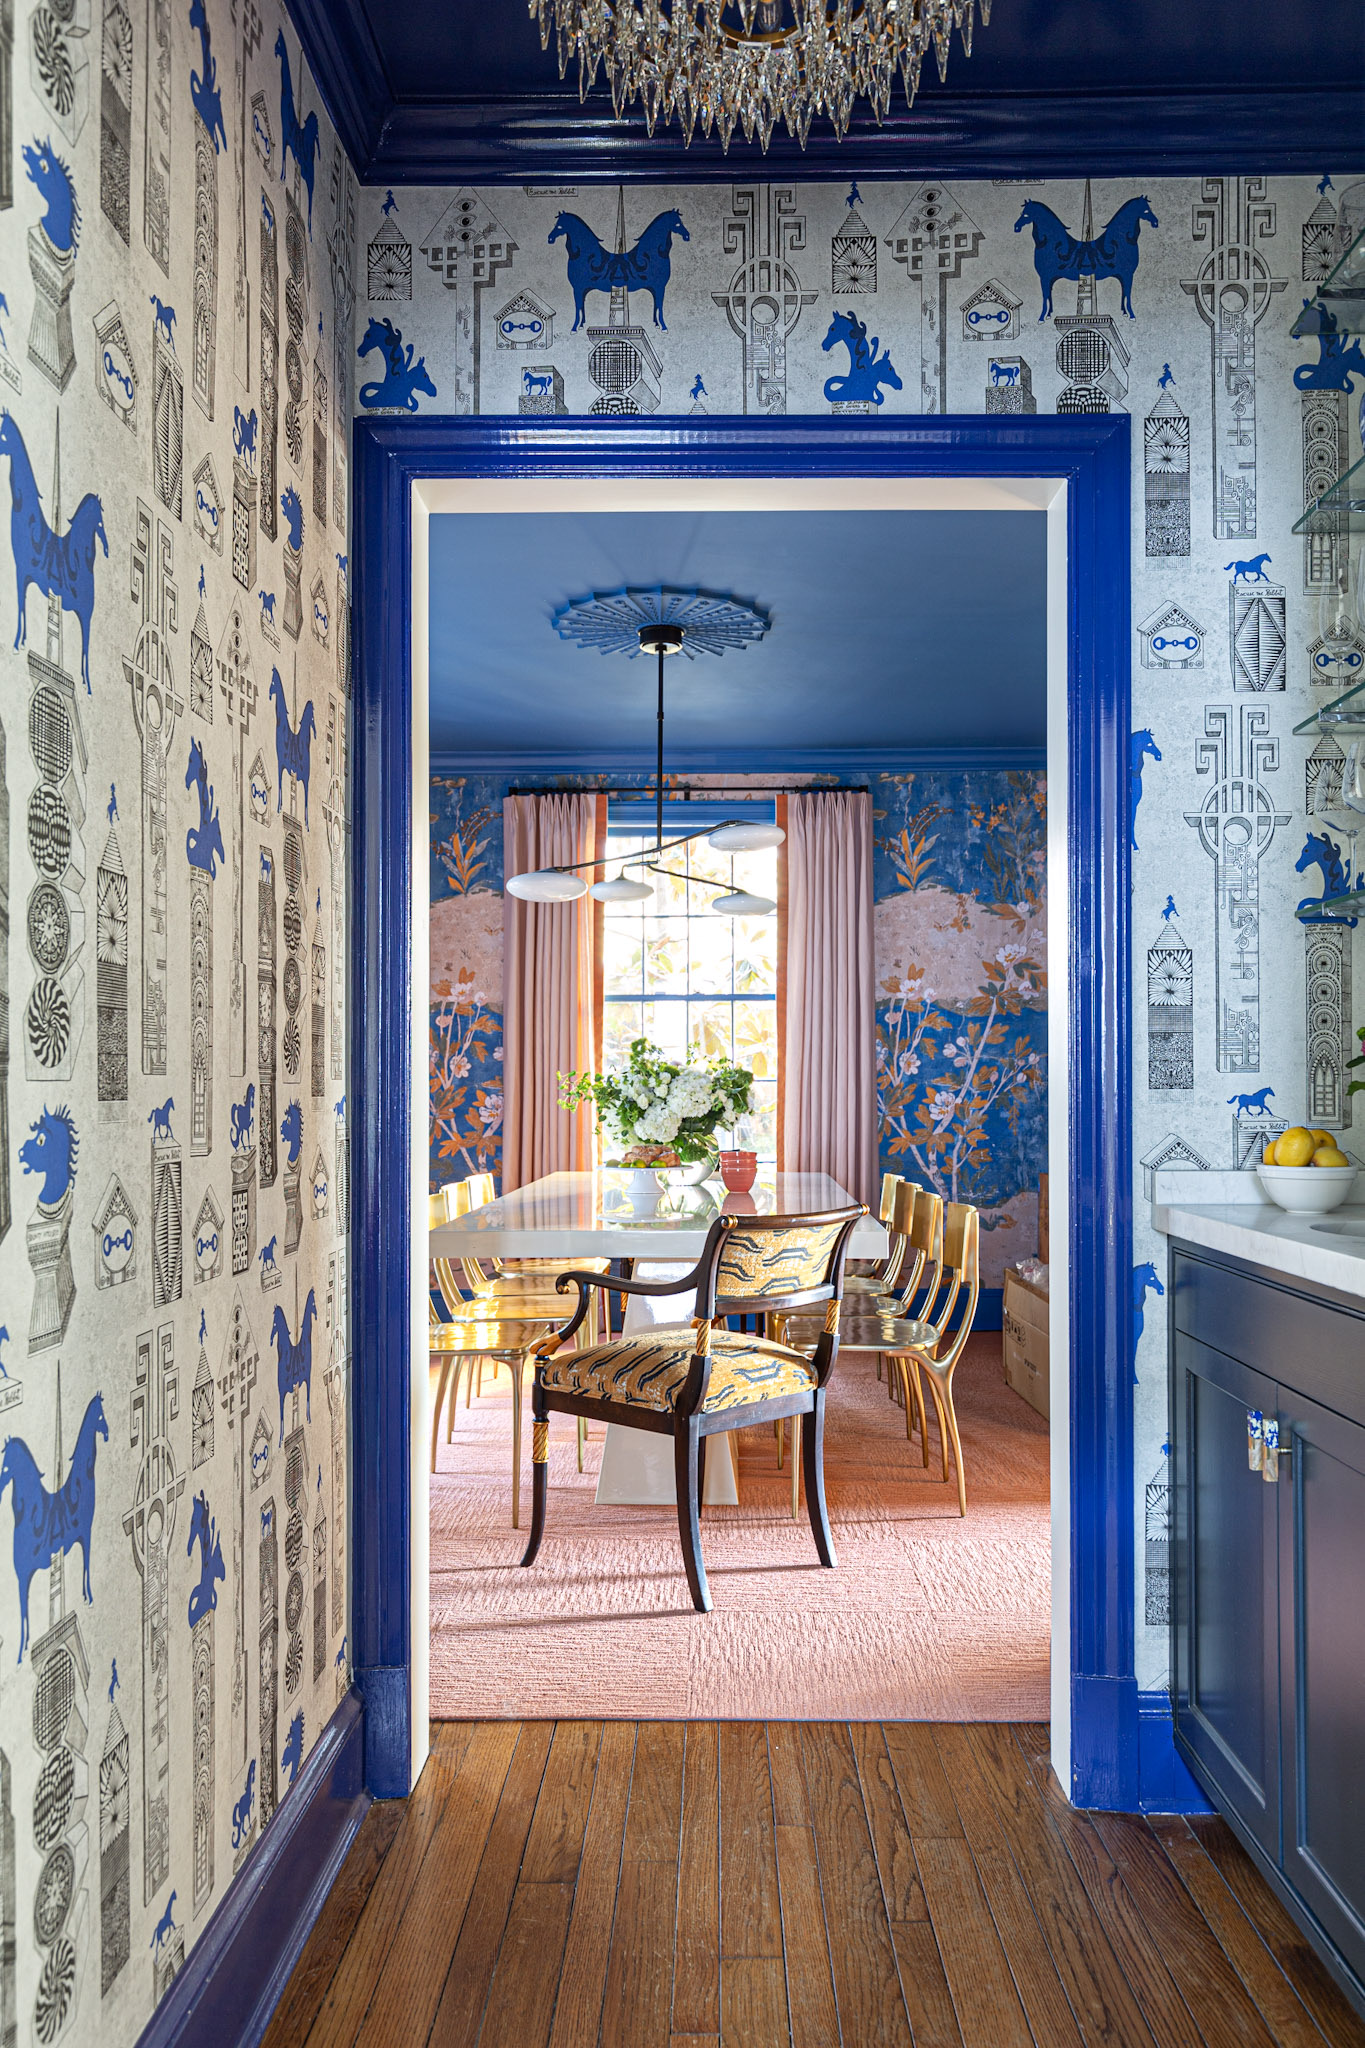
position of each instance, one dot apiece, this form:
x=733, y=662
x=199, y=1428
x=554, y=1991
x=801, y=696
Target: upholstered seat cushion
x=647, y=1371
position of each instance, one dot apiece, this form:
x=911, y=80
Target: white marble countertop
x=567, y=1214
x=1231, y=1216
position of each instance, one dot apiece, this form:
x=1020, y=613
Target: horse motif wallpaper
x=1171, y=299
x=177, y=272
x=960, y=939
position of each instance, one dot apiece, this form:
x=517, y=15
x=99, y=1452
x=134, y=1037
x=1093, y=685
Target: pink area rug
x=927, y=1617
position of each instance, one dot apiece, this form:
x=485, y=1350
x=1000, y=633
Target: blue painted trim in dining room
x=1092, y=453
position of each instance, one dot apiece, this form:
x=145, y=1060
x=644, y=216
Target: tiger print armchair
x=690, y=1380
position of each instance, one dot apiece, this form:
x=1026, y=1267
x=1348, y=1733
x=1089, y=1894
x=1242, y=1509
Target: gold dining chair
x=886, y=1327
x=507, y=1341
x=859, y=1269
x=939, y=1359
x=698, y=1379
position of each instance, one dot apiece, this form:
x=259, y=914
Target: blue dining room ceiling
x=892, y=633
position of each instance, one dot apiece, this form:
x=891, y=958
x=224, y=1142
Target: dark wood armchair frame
x=686, y=1423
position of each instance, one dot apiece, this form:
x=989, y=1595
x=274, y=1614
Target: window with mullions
x=693, y=983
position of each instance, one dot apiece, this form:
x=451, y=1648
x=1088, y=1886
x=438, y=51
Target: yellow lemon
x=1268, y=1156
x=1323, y=1138
x=1294, y=1147
x=1329, y=1155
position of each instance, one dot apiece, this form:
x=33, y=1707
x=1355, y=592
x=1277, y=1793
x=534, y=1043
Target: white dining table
x=601, y=1215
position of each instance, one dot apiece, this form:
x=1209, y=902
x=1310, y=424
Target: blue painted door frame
x=1092, y=455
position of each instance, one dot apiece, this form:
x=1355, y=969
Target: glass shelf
x=1352, y=905
x=1330, y=717
x=1341, y=508
x=1342, y=293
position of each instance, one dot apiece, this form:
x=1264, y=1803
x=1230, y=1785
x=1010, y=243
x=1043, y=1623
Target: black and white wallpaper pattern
x=177, y=263
x=1172, y=299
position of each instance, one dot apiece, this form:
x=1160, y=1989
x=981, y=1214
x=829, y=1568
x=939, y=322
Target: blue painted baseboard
x=231, y=1983
x=990, y=1312
x=1166, y=1782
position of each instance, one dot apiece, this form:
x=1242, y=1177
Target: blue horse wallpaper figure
x=1113, y=252
x=403, y=377
x=212, y=1571
x=266, y=1255
x=1251, y=571
x=61, y=221
x=644, y=268
x=867, y=369
x=241, y=1811
x=4, y=1340
x=165, y=1926
x=204, y=841
x=294, y=1355
x=292, y=507
x=1256, y=1104
x=299, y=138
x=62, y=565
x=1141, y=747
x=291, y=1130
x=242, y=1116
x=160, y=1121
x=1323, y=853
x=291, y=1755
x=207, y=100
x=1339, y=358
x=164, y=320
x=52, y=1151
x=47, y=1525
x=293, y=748
x=1144, y=1276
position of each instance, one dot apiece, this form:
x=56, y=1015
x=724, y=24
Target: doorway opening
x=901, y=471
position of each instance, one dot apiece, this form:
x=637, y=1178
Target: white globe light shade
x=547, y=885
x=739, y=903
x=622, y=890
x=745, y=838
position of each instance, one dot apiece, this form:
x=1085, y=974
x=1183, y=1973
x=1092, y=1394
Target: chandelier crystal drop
x=749, y=63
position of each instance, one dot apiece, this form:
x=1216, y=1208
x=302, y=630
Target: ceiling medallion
x=749, y=63
x=611, y=621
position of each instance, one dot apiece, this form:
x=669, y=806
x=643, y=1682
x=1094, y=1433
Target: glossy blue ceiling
x=893, y=634
x=463, y=91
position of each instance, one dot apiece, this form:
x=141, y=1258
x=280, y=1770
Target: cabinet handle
x=1273, y=1453
x=1255, y=1440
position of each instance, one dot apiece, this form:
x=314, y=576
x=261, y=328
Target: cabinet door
x=1226, y=1609
x=1322, y=1548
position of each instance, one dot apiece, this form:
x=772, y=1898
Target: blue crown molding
x=237, y=1969
x=864, y=762
x=1093, y=455
x=552, y=136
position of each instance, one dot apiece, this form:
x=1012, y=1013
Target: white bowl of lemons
x=1305, y=1171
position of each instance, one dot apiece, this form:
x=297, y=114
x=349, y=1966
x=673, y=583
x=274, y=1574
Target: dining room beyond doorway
x=814, y=858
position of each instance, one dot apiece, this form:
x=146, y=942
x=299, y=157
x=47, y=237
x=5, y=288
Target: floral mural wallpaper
x=931, y=296
x=177, y=258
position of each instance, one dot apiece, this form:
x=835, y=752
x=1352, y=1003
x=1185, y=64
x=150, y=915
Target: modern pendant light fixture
x=662, y=623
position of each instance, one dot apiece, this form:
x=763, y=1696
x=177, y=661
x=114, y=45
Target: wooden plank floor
x=658, y=1885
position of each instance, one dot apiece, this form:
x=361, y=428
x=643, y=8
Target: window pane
x=756, y=1039
x=620, y=1024
x=666, y=955
x=623, y=956
x=712, y=943
x=665, y=1025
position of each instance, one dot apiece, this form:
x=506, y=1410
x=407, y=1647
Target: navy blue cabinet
x=1268, y=1614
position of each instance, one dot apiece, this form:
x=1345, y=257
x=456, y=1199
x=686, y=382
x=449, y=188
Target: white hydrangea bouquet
x=662, y=1114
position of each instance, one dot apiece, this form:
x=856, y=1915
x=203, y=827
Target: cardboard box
x=1025, y=1324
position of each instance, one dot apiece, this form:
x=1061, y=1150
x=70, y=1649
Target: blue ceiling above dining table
x=462, y=92
x=893, y=636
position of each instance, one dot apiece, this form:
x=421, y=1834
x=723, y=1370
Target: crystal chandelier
x=747, y=63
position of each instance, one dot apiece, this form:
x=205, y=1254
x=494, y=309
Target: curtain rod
x=725, y=790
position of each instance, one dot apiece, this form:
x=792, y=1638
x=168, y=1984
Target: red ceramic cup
x=739, y=1170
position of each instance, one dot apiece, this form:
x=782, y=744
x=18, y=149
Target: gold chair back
x=886, y=1206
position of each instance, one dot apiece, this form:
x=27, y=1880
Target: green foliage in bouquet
x=654, y=1101
x=1358, y=1061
